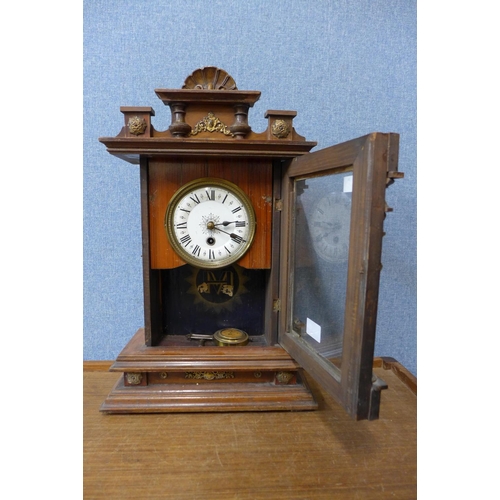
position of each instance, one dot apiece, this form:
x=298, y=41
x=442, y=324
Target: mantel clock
x=260, y=258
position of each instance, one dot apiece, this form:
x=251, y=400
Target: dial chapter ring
x=238, y=232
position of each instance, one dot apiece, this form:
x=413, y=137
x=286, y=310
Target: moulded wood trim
x=137, y=350
x=97, y=366
x=387, y=363
x=130, y=149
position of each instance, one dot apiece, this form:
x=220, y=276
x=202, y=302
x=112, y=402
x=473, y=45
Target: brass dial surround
x=210, y=223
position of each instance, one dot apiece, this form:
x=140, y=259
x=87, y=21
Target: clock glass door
x=332, y=229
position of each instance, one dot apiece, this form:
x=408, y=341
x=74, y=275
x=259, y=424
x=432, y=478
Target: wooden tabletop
x=313, y=455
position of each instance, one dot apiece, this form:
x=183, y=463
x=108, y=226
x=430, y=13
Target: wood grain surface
x=312, y=455
x=253, y=176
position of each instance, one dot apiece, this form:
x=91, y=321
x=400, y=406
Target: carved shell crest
x=210, y=78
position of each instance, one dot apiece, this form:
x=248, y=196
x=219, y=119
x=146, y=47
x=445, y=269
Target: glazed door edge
x=372, y=159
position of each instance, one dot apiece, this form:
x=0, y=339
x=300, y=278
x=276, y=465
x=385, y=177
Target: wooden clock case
x=163, y=369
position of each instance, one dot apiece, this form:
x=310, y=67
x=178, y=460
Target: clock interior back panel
x=254, y=176
x=204, y=301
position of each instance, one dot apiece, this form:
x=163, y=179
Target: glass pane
x=321, y=239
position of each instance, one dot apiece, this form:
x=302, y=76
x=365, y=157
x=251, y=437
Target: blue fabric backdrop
x=347, y=67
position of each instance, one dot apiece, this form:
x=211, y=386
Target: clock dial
x=210, y=223
x=329, y=227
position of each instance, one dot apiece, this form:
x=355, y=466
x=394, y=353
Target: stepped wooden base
x=206, y=379
x=207, y=398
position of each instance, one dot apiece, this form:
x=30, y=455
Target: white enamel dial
x=210, y=223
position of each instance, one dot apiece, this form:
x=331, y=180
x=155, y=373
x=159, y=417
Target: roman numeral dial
x=210, y=223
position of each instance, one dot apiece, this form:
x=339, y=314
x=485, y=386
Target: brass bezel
x=183, y=191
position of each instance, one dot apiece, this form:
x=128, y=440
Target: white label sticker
x=348, y=184
x=313, y=329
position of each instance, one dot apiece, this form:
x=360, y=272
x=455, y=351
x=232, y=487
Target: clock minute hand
x=226, y=223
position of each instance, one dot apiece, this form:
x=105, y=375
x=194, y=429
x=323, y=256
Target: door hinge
x=276, y=305
x=278, y=205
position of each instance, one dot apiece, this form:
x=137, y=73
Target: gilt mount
x=211, y=124
x=208, y=115
x=137, y=125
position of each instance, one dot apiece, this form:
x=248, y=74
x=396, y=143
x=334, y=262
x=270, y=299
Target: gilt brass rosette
x=137, y=125
x=280, y=129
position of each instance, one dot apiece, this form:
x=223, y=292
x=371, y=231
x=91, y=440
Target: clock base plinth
x=206, y=379
x=211, y=397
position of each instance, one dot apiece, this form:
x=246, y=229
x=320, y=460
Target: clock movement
x=261, y=259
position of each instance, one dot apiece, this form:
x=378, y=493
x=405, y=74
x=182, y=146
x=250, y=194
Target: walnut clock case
x=260, y=259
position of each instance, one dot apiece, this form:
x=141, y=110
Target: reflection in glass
x=321, y=239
